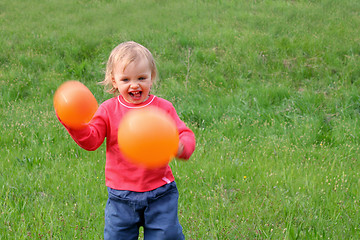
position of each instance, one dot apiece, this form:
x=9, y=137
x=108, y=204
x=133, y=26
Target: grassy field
x=270, y=88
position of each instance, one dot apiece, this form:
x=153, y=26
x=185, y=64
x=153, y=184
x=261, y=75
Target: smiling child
x=137, y=196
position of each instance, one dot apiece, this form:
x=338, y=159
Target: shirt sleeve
x=93, y=134
x=186, y=136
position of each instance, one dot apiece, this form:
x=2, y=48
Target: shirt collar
x=131, y=105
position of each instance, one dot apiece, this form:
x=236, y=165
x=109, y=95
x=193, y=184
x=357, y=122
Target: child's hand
x=180, y=150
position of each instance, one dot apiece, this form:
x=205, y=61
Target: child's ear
x=153, y=77
x=113, y=83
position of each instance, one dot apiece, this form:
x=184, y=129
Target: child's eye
x=124, y=80
x=141, y=78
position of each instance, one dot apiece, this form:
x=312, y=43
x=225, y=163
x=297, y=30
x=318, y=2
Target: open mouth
x=135, y=95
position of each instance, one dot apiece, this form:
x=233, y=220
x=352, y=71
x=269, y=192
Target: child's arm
x=186, y=138
x=186, y=143
x=92, y=135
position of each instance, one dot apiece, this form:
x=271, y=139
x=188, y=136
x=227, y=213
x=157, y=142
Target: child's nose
x=134, y=85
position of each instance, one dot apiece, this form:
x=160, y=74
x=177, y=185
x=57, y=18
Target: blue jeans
x=155, y=210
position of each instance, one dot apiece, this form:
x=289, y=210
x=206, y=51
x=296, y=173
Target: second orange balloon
x=148, y=137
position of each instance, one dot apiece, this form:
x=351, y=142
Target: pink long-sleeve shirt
x=120, y=173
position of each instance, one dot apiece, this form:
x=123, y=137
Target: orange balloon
x=74, y=104
x=148, y=137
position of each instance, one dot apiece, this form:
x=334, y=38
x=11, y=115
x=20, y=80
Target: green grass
x=270, y=88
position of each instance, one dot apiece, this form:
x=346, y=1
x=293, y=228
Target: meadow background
x=270, y=88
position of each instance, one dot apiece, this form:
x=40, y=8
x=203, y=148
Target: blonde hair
x=124, y=54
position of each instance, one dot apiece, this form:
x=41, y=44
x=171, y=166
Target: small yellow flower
x=244, y=177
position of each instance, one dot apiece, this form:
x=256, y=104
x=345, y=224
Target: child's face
x=134, y=83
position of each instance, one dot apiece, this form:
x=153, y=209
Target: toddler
x=137, y=196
